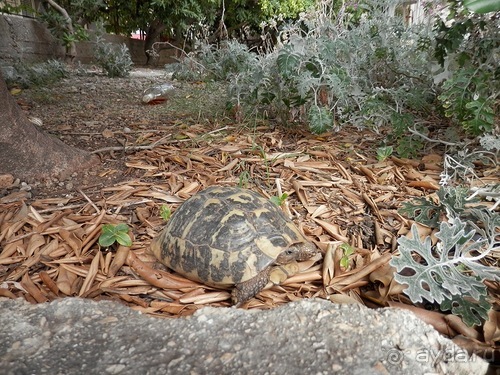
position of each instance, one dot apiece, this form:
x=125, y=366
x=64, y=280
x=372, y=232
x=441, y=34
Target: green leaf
x=165, y=212
x=107, y=239
x=384, y=152
x=288, y=62
x=453, y=199
x=482, y=6
x=122, y=227
x=115, y=233
x=484, y=117
x=320, y=119
x=278, y=201
x=123, y=239
x=347, y=250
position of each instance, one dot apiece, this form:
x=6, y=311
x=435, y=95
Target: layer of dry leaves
x=338, y=193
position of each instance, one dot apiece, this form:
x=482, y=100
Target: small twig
x=117, y=132
x=278, y=187
x=219, y=130
x=497, y=203
x=132, y=148
x=455, y=166
x=482, y=192
x=90, y=201
x=414, y=131
x=61, y=208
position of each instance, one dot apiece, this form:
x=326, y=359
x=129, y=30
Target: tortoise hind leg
x=247, y=289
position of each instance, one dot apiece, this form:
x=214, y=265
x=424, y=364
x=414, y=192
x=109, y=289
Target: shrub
x=114, y=60
x=467, y=47
x=329, y=71
x=212, y=63
x=37, y=74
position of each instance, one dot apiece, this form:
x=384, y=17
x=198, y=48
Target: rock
x=6, y=180
x=25, y=187
x=75, y=336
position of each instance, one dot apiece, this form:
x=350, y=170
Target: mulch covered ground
x=337, y=193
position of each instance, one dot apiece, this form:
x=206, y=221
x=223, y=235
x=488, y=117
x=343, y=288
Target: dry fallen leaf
x=49, y=244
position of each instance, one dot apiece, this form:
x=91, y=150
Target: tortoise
x=229, y=237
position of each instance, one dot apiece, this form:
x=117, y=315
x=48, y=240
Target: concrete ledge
x=77, y=336
x=29, y=41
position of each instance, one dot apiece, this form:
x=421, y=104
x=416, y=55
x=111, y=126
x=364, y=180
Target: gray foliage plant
x=448, y=271
x=114, y=60
x=328, y=70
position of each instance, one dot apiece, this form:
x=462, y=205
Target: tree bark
x=71, y=46
x=154, y=31
x=28, y=153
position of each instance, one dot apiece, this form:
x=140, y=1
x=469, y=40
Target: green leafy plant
x=21, y=8
x=115, y=233
x=79, y=34
x=114, y=60
x=62, y=25
x=165, y=212
x=330, y=67
x=279, y=200
x=320, y=119
x=407, y=145
x=347, y=251
x=423, y=211
x=451, y=202
x=211, y=63
x=467, y=47
x=384, y=152
x=466, y=97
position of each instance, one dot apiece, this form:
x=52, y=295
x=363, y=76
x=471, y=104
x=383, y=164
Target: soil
x=106, y=116
x=102, y=115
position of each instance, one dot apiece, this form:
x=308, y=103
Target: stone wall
x=27, y=40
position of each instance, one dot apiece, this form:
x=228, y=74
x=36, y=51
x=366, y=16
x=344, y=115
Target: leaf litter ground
x=160, y=155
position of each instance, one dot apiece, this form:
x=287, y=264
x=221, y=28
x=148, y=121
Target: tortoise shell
x=225, y=236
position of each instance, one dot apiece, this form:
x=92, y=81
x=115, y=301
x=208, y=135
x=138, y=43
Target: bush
x=450, y=272
x=467, y=47
x=36, y=75
x=114, y=60
x=358, y=66
x=330, y=71
x=211, y=63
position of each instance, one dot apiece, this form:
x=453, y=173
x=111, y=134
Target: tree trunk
x=70, y=45
x=28, y=153
x=154, y=31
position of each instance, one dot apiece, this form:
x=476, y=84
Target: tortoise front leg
x=276, y=274
x=247, y=289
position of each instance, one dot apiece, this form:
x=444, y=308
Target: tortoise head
x=297, y=252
